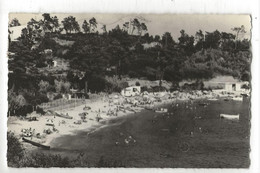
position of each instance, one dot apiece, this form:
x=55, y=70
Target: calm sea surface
x=191, y=134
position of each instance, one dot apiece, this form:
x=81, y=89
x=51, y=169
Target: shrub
x=42, y=98
x=58, y=96
x=159, y=89
x=96, y=83
x=198, y=85
x=137, y=83
x=102, y=163
x=61, y=86
x=45, y=161
x=41, y=64
x=40, y=110
x=113, y=84
x=144, y=88
x=175, y=86
x=43, y=86
x=15, y=151
x=133, y=74
x=86, y=96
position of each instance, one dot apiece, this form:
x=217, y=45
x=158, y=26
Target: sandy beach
x=48, y=126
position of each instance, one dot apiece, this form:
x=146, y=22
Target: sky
x=157, y=23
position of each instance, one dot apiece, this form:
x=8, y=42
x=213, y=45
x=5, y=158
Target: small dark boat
x=203, y=104
x=36, y=144
x=49, y=124
x=162, y=110
x=63, y=116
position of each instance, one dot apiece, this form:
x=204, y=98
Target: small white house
x=131, y=91
x=235, y=86
x=227, y=83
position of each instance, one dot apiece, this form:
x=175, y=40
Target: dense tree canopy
x=14, y=22
x=70, y=24
x=124, y=51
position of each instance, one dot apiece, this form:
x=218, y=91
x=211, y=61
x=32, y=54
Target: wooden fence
x=62, y=104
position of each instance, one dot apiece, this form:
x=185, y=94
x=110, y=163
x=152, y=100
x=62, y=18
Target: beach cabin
x=227, y=83
x=131, y=91
x=233, y=86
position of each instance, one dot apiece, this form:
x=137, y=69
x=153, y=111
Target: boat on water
x=203, y=104
x=161, y=110
x=228, y=116
x=237, y=98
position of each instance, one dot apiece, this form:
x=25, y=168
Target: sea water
x=190, y=134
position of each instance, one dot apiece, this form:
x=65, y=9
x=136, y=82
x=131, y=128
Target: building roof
x=224, y=79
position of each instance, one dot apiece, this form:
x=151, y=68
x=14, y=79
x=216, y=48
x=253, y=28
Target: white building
x=234, y=86
x=227, y=83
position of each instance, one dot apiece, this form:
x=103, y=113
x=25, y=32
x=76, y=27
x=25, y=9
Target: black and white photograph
x=111, y=90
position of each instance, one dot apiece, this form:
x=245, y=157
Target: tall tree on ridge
x=126, y=27
x=70, y=24
x=167, y=39
x=161, y=61
x=104, y=28
x=135, y=25
x=199, y=39
x=93, y=24
x=143, y=28
x=55, y=22
x=86, y=27
x=14, y=22
x=238, y=30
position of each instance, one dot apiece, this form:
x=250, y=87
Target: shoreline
x=99, y=108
